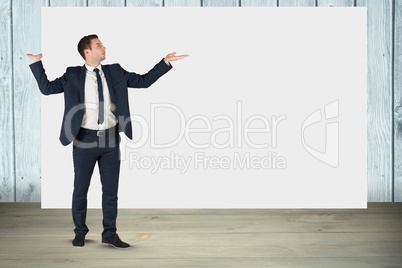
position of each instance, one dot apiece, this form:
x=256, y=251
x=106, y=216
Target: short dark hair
x=85, y=43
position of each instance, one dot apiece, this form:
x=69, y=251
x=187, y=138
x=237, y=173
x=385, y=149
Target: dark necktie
x=100, y=95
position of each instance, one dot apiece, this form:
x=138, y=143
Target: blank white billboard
x=269, y=110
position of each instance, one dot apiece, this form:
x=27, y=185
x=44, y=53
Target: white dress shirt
x=91, y=102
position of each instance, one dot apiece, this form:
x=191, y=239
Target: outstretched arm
x=145, y=80
x=46, y=87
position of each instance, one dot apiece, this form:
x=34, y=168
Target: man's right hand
x=35, y=58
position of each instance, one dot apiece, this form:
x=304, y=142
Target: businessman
x=96, y=110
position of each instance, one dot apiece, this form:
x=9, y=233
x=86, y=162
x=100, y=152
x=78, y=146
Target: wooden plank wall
x=398, y=100
x=7, y=182
x=380, y=94
x=20, y=99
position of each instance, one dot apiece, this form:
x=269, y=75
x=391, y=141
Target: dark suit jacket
x=72, y=84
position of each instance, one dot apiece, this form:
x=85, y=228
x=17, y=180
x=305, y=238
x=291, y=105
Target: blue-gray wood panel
x=20, y=98
x=398, y=102
x=379, y=100
x=144, y=3
x=27, y=100
x=335, y=3
x=7, y=176
x=182, y=3
x=220, y=3
x=296, y=3
x=67, y=3
x=106, y=3
x=259, y=3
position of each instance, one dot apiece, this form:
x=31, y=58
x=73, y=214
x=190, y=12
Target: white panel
x=262, y=72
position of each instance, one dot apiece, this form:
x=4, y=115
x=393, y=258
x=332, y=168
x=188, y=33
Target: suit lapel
x=108, y=76
x=81, y=80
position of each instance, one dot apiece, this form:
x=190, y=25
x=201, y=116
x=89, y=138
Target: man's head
x=91, y=49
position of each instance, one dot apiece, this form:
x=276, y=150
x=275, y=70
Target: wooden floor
x=32, y=237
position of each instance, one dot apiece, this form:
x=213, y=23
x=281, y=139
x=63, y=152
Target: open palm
x=36, y=57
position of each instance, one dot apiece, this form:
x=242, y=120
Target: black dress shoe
x=79, y=241
x=115, y=242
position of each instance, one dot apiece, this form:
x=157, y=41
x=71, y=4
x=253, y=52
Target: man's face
x=97, y=52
